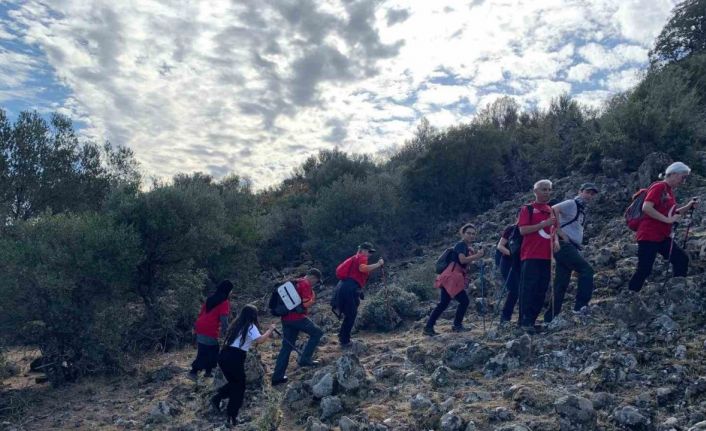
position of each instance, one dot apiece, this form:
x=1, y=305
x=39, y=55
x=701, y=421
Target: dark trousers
x=568, y=259
x=206, y=358
x=534, y=282
x=349, y=300
x=510, y=269
x=646, y=255
x=290, y=333
x=444, y=301
x=232, y=363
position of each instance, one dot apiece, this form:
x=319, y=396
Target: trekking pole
x=482, y=294
x=499, y=299
x=688, y=226
x=284, y=340
x=672, y=235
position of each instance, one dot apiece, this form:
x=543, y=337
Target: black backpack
x=277, y=307
x=443, y=260
x=514, y=243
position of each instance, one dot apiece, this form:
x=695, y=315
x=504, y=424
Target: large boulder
x=575, y=413
x=466, y=356
x=653, y=165
x=349, y=373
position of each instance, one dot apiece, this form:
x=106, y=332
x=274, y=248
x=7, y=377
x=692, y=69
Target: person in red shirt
x=214, y=312
x=352, y=281
x=295, y=322
x=536, y=223
x=654, y=234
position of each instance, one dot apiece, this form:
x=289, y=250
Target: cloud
x=260, y=86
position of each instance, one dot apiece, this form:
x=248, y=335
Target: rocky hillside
x=636, y=362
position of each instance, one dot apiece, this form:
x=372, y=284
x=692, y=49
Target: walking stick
x=688, y=226
x=482, y=294
x=672, y=235
x=284, y=340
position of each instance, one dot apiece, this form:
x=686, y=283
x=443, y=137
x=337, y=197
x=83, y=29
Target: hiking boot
x=429, y=331
x=530, y=329
x=284, y=379
x=584, y=311
x=192, y=375
x=313, y=363
x=459, y=328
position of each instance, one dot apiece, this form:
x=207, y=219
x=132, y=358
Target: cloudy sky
x=256, y=86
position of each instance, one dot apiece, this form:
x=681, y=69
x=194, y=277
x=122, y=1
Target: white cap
x=677, y=168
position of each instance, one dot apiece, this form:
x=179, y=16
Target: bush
x=419, y=280
x=69, y=283
x=385, y=309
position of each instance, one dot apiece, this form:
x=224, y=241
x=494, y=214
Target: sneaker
x=284, y=379
x=429, y=331
x=192, y=375
x=459, y=328
x=313, y=363
x=584, y=311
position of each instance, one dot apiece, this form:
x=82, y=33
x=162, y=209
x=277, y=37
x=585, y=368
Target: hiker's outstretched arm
x=692, y=203
x=373, y=267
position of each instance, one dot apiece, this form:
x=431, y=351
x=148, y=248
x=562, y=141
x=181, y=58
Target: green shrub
x=385, y=309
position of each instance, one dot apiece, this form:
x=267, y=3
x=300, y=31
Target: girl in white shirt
x=241, y=335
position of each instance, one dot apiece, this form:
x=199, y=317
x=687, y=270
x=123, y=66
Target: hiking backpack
x=285, y=299
x=633, y=213
x=514, y=243
x=443, y=261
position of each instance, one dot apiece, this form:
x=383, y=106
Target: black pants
x=646, y=255
x=534, y=282
x=232, y=363
x=444, y=301
x=510, y=268
x=568, y=259
x=290, y=333
x=348, y=300
x=206, y=358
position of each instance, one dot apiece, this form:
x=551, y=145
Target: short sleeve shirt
x=306, y=293
x=252, y=335
x=662, y=196
x=356, y=274
x=207, y=323
x=460, y=248
x=536, y=245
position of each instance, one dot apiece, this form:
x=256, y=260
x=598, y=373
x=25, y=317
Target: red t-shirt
x=306, y=293
x=207, y=323
x=536, y=245
x=355, y=273
x=662, y=196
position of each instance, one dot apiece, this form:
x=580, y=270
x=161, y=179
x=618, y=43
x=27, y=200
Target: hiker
x=353, y=273
x=510, y=268
x=214, y=312
x=295, y=322
x=241, y=335
x=571, y=219
x=654, y=233
x=536, y=223
x=452, y=281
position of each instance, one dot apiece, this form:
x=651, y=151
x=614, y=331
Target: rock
x=254, y=370
x=420, y=403
x=451, y=422
x=465, y=356
x=576, y=413
x=322, y=387
x=520, y=348
x=665, y=396
x=471, y=426
x=701, y=426
x=313, y=424
x=411, y=377
x=163, y=374
x=612, y=167
x=695, y=389
x=602, y=400
x=501, y=414
x=349, y=373
x=348, y=424
x=631, y=417
x=386, y=372
x=669, y=424
x=330, y=406
x=162, y=411
x=559, y=323
x=512, y=427
x=296, y=391
x=680, y=352
x=441, y=377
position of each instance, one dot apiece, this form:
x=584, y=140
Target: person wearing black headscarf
x=214, y=312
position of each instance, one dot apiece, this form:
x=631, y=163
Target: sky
x=256, y=87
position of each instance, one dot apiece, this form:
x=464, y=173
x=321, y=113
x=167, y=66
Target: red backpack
x=633, y=213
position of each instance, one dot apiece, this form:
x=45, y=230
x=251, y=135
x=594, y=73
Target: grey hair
x=541, y=183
